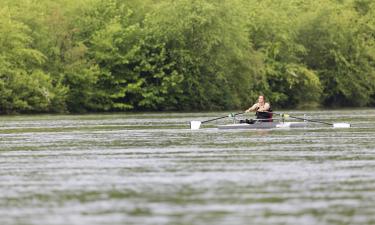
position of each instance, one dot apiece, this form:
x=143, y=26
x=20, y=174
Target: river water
x=152, y=169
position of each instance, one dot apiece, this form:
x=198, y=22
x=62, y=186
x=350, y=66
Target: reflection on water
x=151, y=169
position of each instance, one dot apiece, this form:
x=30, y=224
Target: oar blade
x=195, y=125
x=341, y=125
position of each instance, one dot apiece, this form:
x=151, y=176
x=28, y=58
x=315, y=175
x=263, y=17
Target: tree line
x=115, y=55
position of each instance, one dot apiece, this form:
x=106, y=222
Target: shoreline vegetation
x=88, y=56
x=150, y=112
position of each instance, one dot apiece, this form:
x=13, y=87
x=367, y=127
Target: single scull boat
x=258, y=124
x=264, y=125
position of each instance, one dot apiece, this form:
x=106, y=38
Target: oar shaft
x=315, y=121
x=221, y=117
x=214, y=119
x=300, y=118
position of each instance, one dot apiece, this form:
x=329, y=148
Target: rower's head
x=261, y=99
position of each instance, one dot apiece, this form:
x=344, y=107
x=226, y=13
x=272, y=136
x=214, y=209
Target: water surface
x=152, y=169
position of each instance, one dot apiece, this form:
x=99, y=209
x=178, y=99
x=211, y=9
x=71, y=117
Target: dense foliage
x=114, y=55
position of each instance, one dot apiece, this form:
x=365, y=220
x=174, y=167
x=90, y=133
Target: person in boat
x=262, y=109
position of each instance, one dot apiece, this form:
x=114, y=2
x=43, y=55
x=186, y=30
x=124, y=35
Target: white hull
x=264, y=125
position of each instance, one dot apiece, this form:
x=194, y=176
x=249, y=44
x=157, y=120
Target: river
x=150, y=168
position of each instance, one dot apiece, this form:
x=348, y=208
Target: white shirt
x=258, y=107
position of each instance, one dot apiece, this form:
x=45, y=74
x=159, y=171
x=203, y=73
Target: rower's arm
x=253, y=108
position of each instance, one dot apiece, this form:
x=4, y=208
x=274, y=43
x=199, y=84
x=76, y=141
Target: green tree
x=24, y=86
x=99, y=55
x=274, y=32
x=207, y=44
x=339, y=43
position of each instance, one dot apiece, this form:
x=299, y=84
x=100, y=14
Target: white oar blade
x=195, y=125
x=341, y=125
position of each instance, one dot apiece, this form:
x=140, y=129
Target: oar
x=195, y=125
x=335, y=125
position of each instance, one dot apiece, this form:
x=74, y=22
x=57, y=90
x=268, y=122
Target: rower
x=263, y=111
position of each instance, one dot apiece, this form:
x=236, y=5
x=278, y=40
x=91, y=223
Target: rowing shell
x=264, y=125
